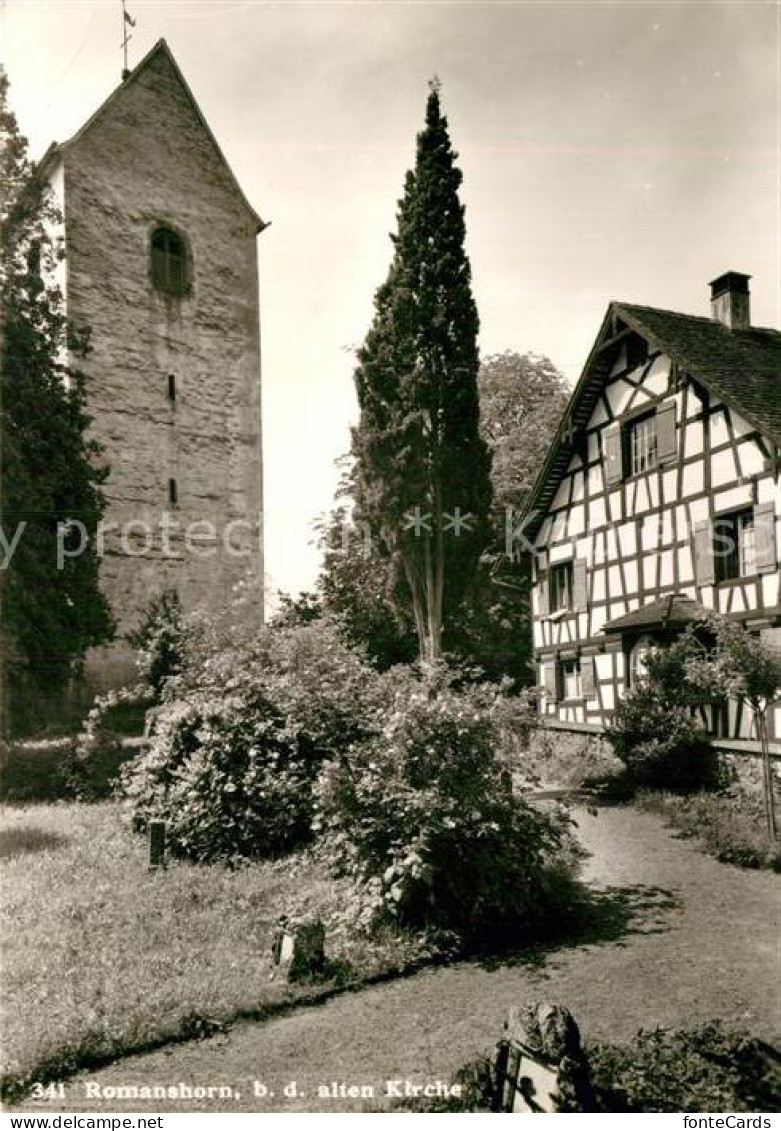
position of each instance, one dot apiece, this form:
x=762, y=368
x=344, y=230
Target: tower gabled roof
x=59, y=149
x=740, y=367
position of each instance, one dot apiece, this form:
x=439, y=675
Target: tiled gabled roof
x=740, y=367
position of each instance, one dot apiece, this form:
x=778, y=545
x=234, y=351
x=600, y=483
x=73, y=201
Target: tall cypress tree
x=50, y=611
x=422, y=468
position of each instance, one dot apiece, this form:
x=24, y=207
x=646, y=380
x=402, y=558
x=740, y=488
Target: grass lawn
x=100, y=956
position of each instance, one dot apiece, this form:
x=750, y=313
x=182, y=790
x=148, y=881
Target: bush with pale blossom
x=423, y=818
x=228, y=777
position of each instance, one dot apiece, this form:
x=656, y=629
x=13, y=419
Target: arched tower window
x=169, y=262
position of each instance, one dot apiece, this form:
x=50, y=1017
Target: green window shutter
x=588, y=679
x=704, y=571
x=543, y=588
x=611, y=442
x=666, y=433
x=579, y=585
x=765, y=537
x=550, y=679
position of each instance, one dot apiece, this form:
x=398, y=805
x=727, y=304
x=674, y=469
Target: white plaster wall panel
x=658, y=377
x=596, y=513
x=599, y=416
x=751, y=458
x=685, y=563
x=719, y=434
x=561, y=498
x=619, y=365
x=732, y=499
x=563, y=552
x=618, y=395
x=694, y=441
x=770, y=588
x=723, y=468
x=577, y=520
x=740, y=427
x=693, y=479
x=669, y=487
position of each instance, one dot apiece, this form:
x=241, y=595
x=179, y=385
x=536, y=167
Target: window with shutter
x=549, y=680
x=666, y=434
x=703, y=553
x=766, y=559
x=642, y=444
x=543, y=595
x=169, y=262
x=560, y=589
x=580, y=585
x=612, y=448
x=570, y=685
x=588, y=677
x=740, y=543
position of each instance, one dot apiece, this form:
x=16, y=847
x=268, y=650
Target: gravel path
x=698, y=940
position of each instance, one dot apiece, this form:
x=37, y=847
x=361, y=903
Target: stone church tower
x=161, y=266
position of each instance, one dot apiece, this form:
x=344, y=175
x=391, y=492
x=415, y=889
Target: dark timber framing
x=637, y=538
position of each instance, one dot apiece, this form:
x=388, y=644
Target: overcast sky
x=610, y=151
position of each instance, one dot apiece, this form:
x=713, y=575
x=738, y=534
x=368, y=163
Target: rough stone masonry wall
x=148, y=161
x=577, y=758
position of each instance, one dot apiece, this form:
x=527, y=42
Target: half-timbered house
x=659, y=499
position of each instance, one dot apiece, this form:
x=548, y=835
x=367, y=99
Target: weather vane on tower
x=127, y=19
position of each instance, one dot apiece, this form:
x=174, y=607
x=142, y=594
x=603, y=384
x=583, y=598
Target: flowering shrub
x=656, y=729
x=240, y=737
x=326, y=688
x=423, y=819
x=98, y=752
x=227, y=776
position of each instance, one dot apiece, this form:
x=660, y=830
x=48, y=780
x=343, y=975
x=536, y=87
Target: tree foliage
x=421, y=817
x=421, y=463
x=742, y=666
x=657, y=729
x=355, y=584
x=51, y=612
x=522, y=399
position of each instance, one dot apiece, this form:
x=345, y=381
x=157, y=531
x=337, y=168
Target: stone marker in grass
x=540, y=1065
x=300, y=949
x=157, y=844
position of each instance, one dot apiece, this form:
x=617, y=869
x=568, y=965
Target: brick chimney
x=729, y=300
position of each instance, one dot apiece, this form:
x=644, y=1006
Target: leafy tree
x=742, y=666
x=658, y=729
x=522, y=398
x=354, y=584
x=51, y=611
x=422, y=467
